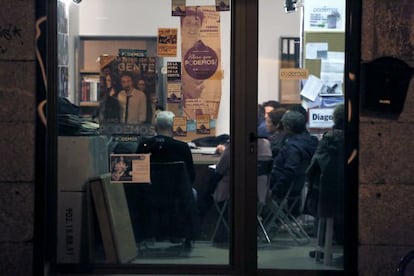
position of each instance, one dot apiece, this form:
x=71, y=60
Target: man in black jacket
x=164, y=148
x=290, y=164
x=181, y=220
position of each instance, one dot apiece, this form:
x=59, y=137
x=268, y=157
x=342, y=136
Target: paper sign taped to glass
x=130, y=168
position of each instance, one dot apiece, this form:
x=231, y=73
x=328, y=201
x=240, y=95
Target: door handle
x=253, y=137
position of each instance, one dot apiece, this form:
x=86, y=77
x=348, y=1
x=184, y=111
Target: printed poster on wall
x=222, y=5
x=167, y=42
x=127, y=90
x=203, y=124
x=180, y=126
x=201, y=60
x=174, y=82
x=324, y=15
x=178, y=7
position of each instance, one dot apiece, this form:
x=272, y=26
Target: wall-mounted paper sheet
x=311, y=88
x=316, y=50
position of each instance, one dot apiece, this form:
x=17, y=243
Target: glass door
x=143, y=134
x=303, y=91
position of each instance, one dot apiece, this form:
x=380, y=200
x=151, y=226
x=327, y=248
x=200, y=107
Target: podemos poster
x=127, y=94
x=201, y=61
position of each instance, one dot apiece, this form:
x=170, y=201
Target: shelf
x=89, y=104
x=88, y=72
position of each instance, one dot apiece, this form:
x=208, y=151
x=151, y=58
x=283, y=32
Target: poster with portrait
x=130, y=168
x=127, y=92
x=201, y=60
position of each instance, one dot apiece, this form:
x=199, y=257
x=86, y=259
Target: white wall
x=273, y=23
x=104, y=18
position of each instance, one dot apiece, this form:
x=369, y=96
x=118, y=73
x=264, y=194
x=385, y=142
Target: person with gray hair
x=293, y=122
x=164, y=121
x=164, y=148
x=290, y=164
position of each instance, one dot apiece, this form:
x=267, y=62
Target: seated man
x=290, y=164
x=219, y=184
x=164, y=148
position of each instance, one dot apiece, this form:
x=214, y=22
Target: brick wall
x=386, y=167
x=17, y=146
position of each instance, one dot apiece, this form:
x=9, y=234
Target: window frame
x=244, y=80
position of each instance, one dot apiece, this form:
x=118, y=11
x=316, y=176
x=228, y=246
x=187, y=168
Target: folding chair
x=221, y=218
x=264, y=167
x=280, y=212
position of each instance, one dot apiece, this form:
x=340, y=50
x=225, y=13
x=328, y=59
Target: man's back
x=167, y=149
x=291, y=162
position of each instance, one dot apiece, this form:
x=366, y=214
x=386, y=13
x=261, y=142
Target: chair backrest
x=264, y=168
x=172, y=201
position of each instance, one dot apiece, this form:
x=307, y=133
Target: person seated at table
x=164, y=148
x=290, y=164
x=218, y=186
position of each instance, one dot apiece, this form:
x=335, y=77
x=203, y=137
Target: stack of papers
x=204, y=150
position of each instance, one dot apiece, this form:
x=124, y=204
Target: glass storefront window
x=143, y=120
x=155, y=142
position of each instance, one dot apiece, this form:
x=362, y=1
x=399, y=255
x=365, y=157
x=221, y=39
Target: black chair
x=165, y=209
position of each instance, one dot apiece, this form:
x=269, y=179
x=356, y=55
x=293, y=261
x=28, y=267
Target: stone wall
x=386, y=213
x=386, y=170
x=17, y=135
